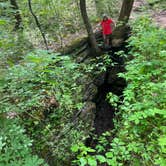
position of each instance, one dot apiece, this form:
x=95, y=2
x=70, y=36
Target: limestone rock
x=88, y=114
x=117, y=42
x=90, y=92
x=82, y=56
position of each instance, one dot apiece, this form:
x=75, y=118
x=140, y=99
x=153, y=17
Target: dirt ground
x=158, y=16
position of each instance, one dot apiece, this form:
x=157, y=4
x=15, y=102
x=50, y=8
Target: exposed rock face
x=82, y=56
x=97, y=112
x=120, y=34
x=90, y=92
x=117, y=42
x=88, y=113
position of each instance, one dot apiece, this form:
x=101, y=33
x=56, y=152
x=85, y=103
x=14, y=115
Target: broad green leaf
x=109, y=154
x=92, y=161
x=83, y=161
x=101, y=158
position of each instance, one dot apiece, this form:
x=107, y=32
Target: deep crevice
x=104, y=111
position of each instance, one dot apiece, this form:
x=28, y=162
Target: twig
x=38, y=24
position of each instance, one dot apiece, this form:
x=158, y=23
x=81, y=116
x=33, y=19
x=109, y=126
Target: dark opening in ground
x=104, y=111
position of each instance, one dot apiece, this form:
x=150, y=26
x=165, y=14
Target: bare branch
x=38, y=24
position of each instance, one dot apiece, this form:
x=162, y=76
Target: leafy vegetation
x=42, y=89
x=15, y=146
x=140, y=122
x=42, y=119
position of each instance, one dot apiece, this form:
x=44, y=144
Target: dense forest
x=82, y=83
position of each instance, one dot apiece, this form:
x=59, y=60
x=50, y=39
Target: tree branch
x=38, y=24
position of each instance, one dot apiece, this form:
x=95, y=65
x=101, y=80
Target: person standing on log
x=107, y=27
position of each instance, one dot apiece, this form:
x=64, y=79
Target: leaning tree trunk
x=93, y=42
x=120, y=33
x=17, y=15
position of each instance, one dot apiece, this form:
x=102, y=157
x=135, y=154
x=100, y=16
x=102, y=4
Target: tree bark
x=38, y=24
x=17, y=15
x=125, y=10
x=122, y=30
x=93, y=42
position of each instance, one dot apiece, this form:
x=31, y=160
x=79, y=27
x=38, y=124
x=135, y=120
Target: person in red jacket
x=106, y=25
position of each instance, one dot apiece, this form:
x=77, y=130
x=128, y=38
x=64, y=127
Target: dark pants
x=106, y=39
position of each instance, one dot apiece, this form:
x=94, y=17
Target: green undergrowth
x=140, y=123
x=15, y=145
x=41, y=94
x=39, y=98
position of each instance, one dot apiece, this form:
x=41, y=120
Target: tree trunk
x=94, y=46
x=125, y=10
x=17, y=15
x=122, y=30
x=38, y=24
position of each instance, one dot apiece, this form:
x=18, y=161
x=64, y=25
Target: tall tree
x=89, y=29
x=17, y=15
x=122, y=30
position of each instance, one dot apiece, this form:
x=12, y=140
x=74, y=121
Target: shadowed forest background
x=65, y=100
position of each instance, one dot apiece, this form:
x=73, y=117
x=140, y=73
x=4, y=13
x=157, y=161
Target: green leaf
x=101, y=158
x=75, y=148
x=92, y=161
x=109, y=154
x=2, y=22
x=83, y=161
x=162, y=143
x=112, y=162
